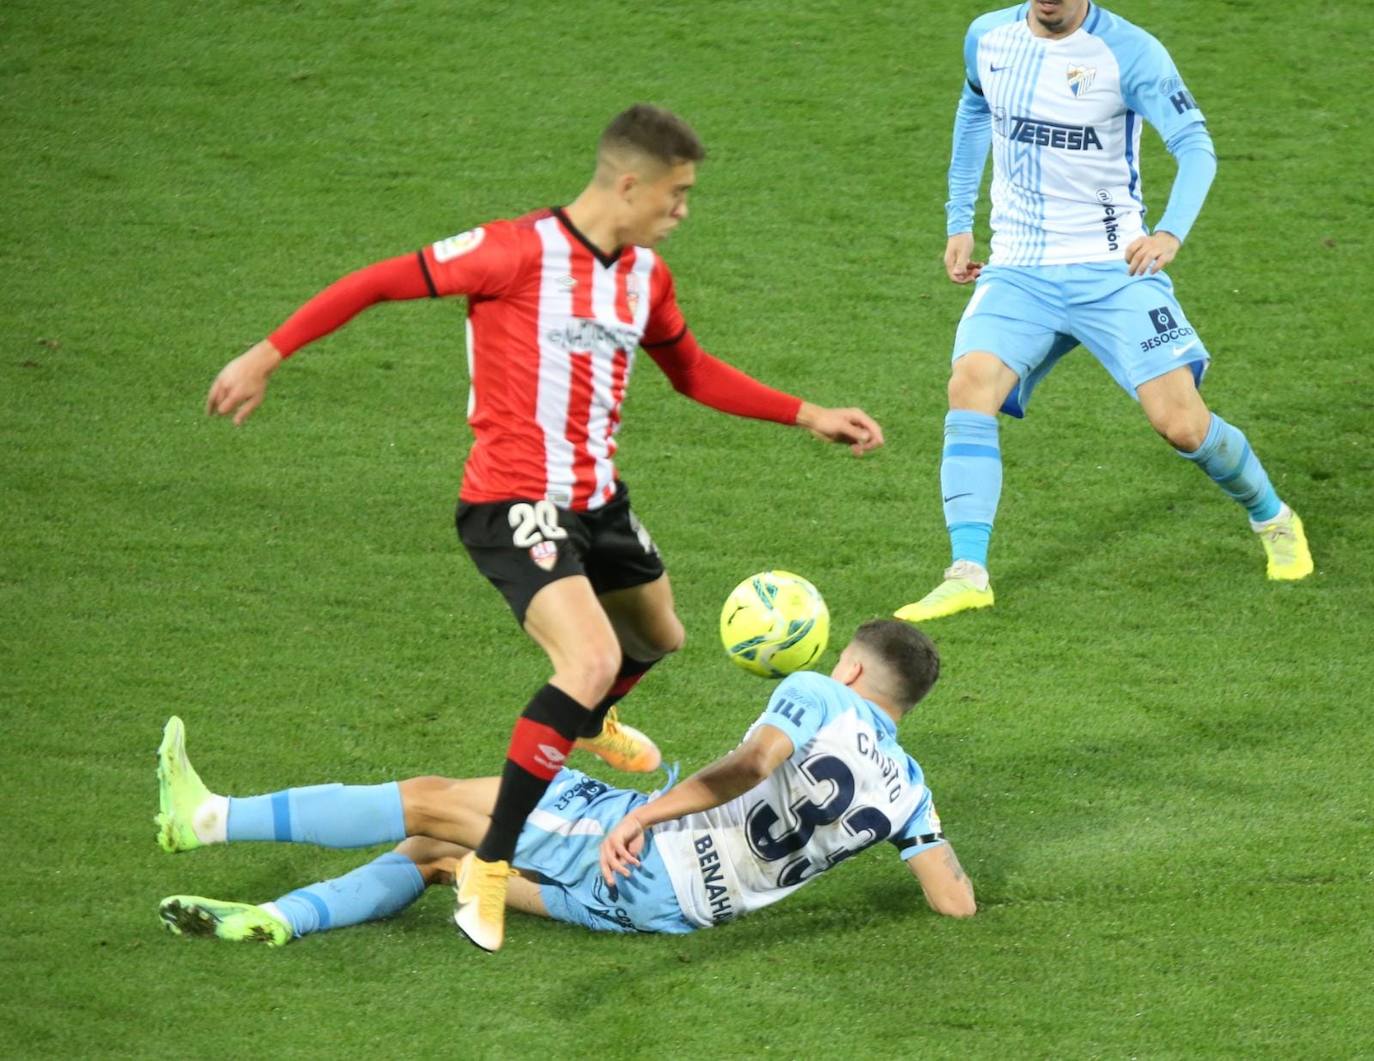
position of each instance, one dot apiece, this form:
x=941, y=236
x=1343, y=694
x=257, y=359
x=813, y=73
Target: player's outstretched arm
x=947, y=888
x=706, y=379
x=729, y=776
x=242, y=384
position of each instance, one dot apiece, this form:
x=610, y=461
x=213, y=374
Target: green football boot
x=193, y=915
x=1285, y=547
x=964, y=589
x=180, y=791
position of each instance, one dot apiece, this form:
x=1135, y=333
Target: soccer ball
x=773, y=623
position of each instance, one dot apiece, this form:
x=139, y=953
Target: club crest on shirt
x=545, y=554
x=1081, y=78
x=632, y=293
x=448, y=249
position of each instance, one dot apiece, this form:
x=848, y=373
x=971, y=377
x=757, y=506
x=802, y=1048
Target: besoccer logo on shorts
x=1167, y=330
x=1163, y=320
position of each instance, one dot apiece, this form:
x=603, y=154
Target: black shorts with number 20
x=522, y=546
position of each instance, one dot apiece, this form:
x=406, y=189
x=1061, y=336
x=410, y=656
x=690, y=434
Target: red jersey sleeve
x=341, y=301
x=699, y=376
x=711, y=381
x=484, y=261
x=666, y=323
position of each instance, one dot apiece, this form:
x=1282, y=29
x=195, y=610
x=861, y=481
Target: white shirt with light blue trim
x=847, y=785
x=1065, y=117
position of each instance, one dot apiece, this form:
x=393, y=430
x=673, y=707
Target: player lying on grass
x=818, y=778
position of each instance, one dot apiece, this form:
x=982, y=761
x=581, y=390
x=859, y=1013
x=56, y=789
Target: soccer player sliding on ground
x=819, y=777
x=558, y=301
x=1058, y=89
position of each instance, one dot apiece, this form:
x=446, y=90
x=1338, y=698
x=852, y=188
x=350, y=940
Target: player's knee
x=668, y=636
x=590, y=677
x=1180, y=428
x=422, y=800
x=973, y=384
x=435, y=859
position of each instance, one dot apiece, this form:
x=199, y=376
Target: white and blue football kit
x=847, y=785
x=1062, y=119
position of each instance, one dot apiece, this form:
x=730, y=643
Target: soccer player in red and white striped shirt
x=558, y=303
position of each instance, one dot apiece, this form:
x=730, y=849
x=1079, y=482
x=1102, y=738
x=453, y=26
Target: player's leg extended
x=1176, y=410
x=334, y=815
x=971, y=484
x=379, y=889
x=647, y=628
x=569, y=624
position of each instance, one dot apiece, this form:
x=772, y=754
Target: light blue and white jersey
x=847, y=785
x=1065, y=120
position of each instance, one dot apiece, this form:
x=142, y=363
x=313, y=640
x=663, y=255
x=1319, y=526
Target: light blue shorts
x=1031, y=317
x=560, y=845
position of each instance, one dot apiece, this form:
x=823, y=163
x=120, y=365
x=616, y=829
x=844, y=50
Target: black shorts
x=521, y=546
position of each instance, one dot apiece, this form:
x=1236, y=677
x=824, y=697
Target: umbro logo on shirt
x=566, y=281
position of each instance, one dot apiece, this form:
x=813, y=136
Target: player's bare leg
x=971, y=483
x=569, y=624
x=645, y=620
x=438, y=860
x=457, y=812
x=647, y=627
x=1176, y=410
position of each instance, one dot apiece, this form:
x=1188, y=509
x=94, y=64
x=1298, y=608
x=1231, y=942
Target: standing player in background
x=1058, y=88
x=817, y=779
x=557, y=303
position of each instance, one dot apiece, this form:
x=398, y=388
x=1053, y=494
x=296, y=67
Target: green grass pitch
x=1155, y=765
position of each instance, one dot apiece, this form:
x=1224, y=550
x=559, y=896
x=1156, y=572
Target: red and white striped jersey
x=552, y=329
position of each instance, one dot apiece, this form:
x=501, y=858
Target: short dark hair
x=656, y=132
x=911, y=658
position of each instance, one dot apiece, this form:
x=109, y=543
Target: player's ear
x=848, y=670
x=626, y=184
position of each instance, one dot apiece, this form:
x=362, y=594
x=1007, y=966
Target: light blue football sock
x=1228, y=460
x=383, y=887
x=328, y=815
x=970, y=483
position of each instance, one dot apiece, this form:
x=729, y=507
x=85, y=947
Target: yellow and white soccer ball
x=774, y=623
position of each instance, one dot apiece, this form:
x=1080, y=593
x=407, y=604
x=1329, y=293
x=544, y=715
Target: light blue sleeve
x=1151, y=86
x=1197, y=165
x=921, y=830
x=972, y=139
x=800, y=706
x=972, y=132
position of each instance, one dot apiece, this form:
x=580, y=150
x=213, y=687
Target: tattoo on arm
x=952, y=863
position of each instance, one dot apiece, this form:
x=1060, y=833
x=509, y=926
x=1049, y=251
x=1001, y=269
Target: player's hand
x=1150, y=254
x=620, y=849
x=242, y=384
x=853, y=427
x=958, y=259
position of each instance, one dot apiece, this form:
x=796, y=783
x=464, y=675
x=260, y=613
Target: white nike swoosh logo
x=1179, y=351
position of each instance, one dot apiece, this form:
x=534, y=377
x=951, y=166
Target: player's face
x=1057, y=17
x=658, y=202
